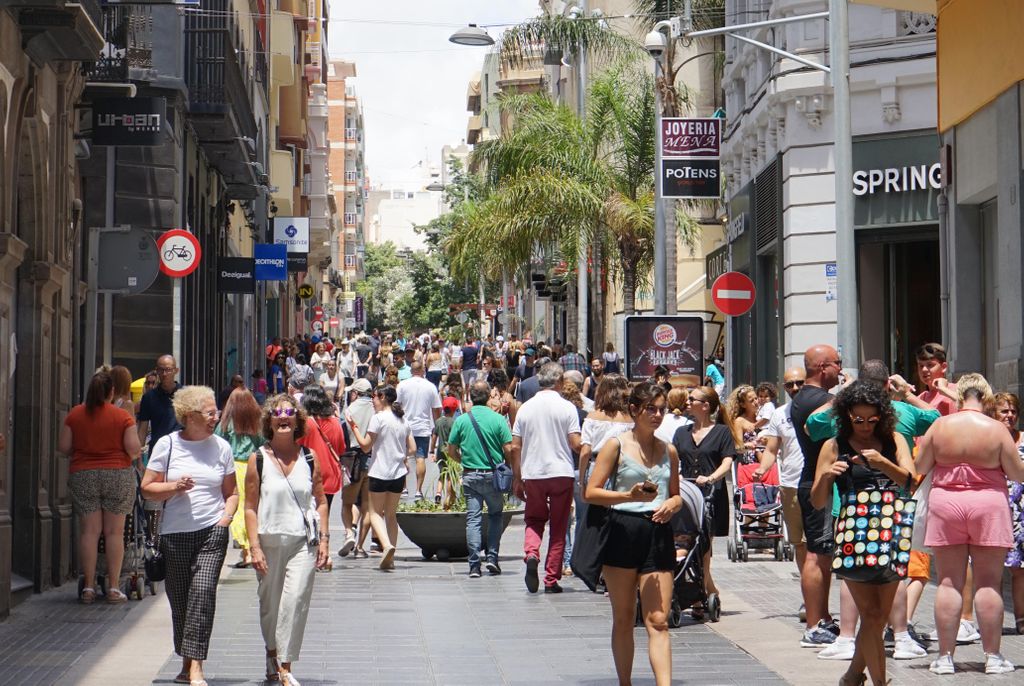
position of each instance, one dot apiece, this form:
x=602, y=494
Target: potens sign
x=690, y=178
x=690, y=164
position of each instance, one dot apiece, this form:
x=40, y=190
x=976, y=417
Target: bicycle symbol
x=179, y=251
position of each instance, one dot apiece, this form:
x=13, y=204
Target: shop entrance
x=898, y=294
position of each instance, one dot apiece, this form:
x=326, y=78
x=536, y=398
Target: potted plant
x=440, y=529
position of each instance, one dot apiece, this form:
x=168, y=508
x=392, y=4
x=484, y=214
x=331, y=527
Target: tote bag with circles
x=873, y=535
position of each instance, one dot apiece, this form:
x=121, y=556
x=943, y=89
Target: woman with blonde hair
x=241, y=426
x=706, y=450
x=675, y=416
x=742, y=407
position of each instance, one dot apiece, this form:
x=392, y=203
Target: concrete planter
x=442, y=533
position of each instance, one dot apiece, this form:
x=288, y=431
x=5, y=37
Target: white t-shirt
x=670, y=423
x=330, y=385
x=765, y=411
x=790, y=458
x=389, y=447
x=208, y=462
x=544, y=423
x=596, y=431
x=419, y=398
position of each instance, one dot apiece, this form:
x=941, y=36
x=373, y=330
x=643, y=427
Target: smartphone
x=649, y=487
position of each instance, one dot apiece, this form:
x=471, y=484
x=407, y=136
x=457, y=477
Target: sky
x=411, y=80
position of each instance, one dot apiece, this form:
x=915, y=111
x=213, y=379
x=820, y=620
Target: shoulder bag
x=591, y=536
x=310, y=517
x=152, y=559
x=501, y=473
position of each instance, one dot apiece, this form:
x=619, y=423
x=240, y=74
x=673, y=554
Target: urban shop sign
x=896, y=180
x=236, y=275
x=128, y=121
x=292, y=232
x=270, y=262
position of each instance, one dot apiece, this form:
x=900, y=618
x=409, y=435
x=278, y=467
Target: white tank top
x=278, y=511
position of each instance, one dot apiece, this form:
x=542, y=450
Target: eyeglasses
x=653, y=410
x=694, y=399
x=283, y=411
x=209, y=415
x=793, y=384
x=860, y=420
x=166, y=370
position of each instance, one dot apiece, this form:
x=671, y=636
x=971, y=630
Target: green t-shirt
x=242, y=445
x=443, y=429
x=911, y=422
x=495, y=430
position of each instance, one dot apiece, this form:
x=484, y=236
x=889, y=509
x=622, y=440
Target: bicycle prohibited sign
x=179, y=253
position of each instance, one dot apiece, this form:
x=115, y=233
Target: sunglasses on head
x=283, y=411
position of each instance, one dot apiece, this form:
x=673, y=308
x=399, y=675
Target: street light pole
x=660, y=263
x=582, y=278
x=847, y=324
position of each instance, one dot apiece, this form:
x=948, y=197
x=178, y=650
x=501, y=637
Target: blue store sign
x=271, y=261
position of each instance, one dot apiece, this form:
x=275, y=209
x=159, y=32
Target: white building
x=399, y=211
x=778, y=163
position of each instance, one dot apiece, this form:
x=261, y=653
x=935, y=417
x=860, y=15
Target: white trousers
x=284, y=592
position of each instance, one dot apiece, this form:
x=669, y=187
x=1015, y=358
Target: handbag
x=153, y=561
x=501, y=473
x=591, y=537
x=873, y=535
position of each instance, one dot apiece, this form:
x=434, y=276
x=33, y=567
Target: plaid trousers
x=194, y=560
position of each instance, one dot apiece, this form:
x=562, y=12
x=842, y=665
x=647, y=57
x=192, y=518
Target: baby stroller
x=758, y=511
x=133, y=582
x=691, y=528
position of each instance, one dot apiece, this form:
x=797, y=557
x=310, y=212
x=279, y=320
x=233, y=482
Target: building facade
x=780, y=194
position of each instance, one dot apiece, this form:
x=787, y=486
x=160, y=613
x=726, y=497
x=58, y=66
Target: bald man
x=822, y=366
x=155, y=409
x=781, y=445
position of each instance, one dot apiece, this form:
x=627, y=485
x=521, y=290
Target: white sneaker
x=997, y=664
x=967, y=633
x=842, y=649
x=942, y=665
x=908, y=649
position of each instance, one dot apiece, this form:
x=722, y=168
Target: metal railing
x=128, y=32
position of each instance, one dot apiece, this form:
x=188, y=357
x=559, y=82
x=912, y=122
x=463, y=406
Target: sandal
x=182, y=678
x=860, y=680
x=272, y=669
x=115, y=596
x=1020, y=625
x=88, y=596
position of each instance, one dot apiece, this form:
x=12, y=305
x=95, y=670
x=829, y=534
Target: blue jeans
x=577, y=496
x=479, y=489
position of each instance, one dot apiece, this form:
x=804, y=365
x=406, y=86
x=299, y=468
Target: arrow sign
x=733, y=293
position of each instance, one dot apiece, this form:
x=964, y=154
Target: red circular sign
x=335, y=322
x=733, y=293
x=318, y=312
x=317, y=326
x=179, y=253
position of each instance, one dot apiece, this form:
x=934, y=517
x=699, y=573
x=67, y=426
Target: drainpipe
x=944, y=271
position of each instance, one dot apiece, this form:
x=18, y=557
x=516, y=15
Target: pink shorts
x=969, y=517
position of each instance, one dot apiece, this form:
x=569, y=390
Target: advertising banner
x=691, y=178
x=359, y=312
x=236, y=275
x=674, y=342
x=292, y=232
x=682, y=137
x=690, y=157
x=128, y=121
x=298, y=263
x=270, y=262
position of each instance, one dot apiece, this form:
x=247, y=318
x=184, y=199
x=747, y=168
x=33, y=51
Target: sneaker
x=405, y=491
x=817, y=638
x=346, y=547
x=942, y=665
x=532, y=582
x=921, y=638
x=967, y=633
x=830, y=625
x=997, y=664
x=553, y=588
x=889, y=638
x=493, y=568
x=841, y=649
x=908, y=649
x=474, y=572
x=419, y=495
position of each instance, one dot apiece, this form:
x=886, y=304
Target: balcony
x=282, y=49
x=473, y=129
x=314, y=50
x=128, y=53
x=473, y=96
x=56, y=31
x=219, y=107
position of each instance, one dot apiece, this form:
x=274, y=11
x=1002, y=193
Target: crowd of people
x=261, y=464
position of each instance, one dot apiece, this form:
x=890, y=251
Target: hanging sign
x=293, y=232
x=690, y=157
x=179, y=253
x=128, y=121
x=270, y=262
x=236, y=275
x=306, y=291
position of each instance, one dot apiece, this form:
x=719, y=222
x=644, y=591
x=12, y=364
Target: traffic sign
x=179, y=253
x=318, y=312
x=733, y=293
x=317, y=326
x=306, y=291
x=334, y=322
x=462, y=317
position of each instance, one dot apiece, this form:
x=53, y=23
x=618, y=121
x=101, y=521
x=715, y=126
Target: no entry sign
x=733, y=293
x=318, y=312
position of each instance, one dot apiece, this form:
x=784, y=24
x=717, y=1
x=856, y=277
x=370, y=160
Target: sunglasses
x=793, y=384
x=283, y=412
x=932, y=349
x=653, y=411
x=860, y=420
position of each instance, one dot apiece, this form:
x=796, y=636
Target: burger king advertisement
x=676, y=343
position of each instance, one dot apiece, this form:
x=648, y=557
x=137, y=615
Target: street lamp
x=656, y=43
x=471, y=35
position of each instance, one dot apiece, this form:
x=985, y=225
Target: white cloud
x=412, y=81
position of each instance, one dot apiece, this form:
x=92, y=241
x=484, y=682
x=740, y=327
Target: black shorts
x=817, y=523
x=635, y=542
x=387, y=485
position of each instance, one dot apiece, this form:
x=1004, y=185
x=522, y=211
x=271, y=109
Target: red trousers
x=547, y=500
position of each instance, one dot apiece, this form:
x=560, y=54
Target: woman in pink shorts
x=969, y=517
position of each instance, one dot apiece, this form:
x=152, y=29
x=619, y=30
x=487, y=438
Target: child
x=439, y=443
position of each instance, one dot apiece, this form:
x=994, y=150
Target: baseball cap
x=531, y=351
x=360, y=386
x=500, y=339
x=450, y=403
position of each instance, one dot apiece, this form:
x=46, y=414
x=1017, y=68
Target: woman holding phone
x=639, y=554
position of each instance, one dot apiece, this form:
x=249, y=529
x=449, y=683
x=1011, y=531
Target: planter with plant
x=439, y=529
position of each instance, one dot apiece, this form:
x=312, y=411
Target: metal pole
x=660, y=263
x=582, y=277
x=91, y=302
x=760, y=24
x=846, y=249
x=108, y=220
